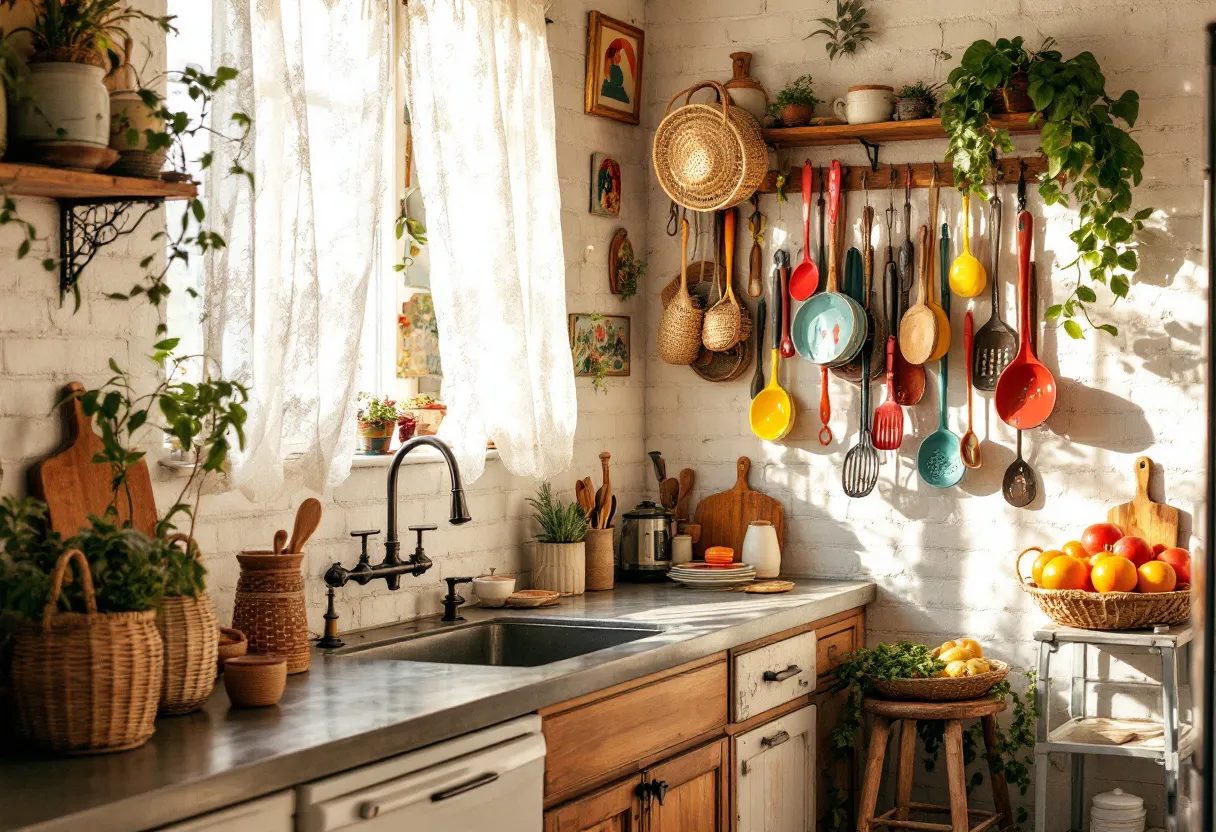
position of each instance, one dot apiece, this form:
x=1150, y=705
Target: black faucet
x=452, y=601
x=393, y=567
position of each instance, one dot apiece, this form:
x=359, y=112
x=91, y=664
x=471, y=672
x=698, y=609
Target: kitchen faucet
x=393, y=567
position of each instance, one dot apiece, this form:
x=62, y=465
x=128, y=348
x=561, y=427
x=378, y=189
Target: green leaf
x=23, y=249
x=1109, y=329
x=1119, y=286
x=1074, y=330
x=167, y=345
x=1128, y=260
x=114, y=366
x=1054, y=311
x=1086, y=294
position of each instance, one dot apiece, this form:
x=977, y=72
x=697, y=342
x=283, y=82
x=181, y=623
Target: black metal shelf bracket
x=871, y=152
x=88, y=225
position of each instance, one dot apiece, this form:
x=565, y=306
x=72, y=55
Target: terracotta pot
x=796, y=115
x=911, y=109
x=189, y=630
x=255, y=681
x=560, y=567
x=601, y=559
x=1012, y=98
x=128, y=112
x=375, y=439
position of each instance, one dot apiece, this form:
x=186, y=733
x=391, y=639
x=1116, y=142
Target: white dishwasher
x=491, y=780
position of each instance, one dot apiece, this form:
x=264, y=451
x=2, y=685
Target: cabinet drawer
x=773, y=675
x=594, y=741
x=832, y=649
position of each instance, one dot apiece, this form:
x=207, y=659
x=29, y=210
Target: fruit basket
x=1105, y=610
x=942, y=688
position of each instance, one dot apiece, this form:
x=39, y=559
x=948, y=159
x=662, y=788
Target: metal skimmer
x=860, y=473
x=996, y=343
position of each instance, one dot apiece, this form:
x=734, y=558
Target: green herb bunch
x=847, y=31
x=376, y=412
x=799, y=91
x=630, y=269
x=559, y=523
x=97, y=25
x=920, y=91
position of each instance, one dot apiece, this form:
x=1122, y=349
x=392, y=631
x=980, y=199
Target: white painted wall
x=943, y=560
x=44, y=346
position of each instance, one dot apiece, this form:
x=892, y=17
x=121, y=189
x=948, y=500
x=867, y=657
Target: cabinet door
x=776, y=776
x=268, y=814
x=694, y=791
x=614, y=808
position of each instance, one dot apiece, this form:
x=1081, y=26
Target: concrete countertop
x=347, y=712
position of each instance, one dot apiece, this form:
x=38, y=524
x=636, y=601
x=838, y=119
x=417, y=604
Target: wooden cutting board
x=1155, y=522
x=724, y=516
x=74, y=486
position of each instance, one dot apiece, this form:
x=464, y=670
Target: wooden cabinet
x=774, y=771
x=615, y=808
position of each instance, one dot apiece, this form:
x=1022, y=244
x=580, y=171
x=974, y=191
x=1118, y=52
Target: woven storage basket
x=139, y=163
x=600, y=559
x=701, y=275
x=679, y=337
x=86, y=683
x=269, y=607
x=1105, y=610
x=943, y=688
x=708, y=157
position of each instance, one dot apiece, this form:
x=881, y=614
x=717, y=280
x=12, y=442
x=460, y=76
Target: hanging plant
x=847, y=31
x=1092, y=160
x=629, y=271
x=412, y=230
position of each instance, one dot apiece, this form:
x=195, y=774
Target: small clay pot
x=911, y=109
x=1012, y=98
x=796, y=115
x=255, y=681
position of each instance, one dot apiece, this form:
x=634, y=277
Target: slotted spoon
x=889, y=417
x=996, y=342
x=860, y=472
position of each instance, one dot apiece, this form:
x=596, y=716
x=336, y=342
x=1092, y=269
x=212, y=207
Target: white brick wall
x=943, y=559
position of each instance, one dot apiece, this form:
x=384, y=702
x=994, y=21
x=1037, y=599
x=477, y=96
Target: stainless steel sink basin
x=504, y=642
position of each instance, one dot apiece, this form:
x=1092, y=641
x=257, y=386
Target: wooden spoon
x=918, y=333
x=687, y=479
x=603, y=497
x=308, y=518
x=280, y=540
x=586, y=500
x=669, y=493
x=970, y=447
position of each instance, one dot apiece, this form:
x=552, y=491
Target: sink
x=505, y=642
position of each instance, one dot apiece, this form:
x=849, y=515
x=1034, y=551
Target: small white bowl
x=492, y=590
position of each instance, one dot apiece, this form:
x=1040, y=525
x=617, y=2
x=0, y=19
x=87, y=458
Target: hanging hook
x=936, y=180
x=908, y=184
x=865, y=184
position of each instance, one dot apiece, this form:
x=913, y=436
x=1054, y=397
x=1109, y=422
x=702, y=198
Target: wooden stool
x=907, y=713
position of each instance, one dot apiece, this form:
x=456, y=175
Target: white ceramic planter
x=560, y=567
x=866, y=104
x=69, y=105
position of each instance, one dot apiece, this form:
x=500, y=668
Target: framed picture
x=614, y=69
x=605, y=185
x=600, y=344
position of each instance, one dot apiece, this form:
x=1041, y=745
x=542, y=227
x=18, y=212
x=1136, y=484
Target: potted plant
x=377, y=417
x=1093, y=163
x=915, y=101
x=796, y=103
x=847, y=31
x=629, y=270
x=560, y=562
x=428, y=413
x=65, y=120
x=137, y=130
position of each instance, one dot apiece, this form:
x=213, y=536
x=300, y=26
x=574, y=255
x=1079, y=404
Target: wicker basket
x=943, y=688
x=269, y=607
x=600, y=559
x=86, y=683
x=709, y=157
x=139, y=163
x=189, y=629
x=1105, y=610
x=679, y=336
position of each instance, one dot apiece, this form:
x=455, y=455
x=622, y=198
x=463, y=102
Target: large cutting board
x=724, y=516
x=1155, y=522
x=74, y=486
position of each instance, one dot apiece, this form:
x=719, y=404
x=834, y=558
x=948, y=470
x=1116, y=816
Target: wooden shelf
x=58, y=183
x=885, y=131
x=856, y=177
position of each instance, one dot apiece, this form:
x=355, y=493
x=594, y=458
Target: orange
x=1064, y=572
x=1042, y=560
x=1114, y=573
x=1157, y=576
x=1076, y=549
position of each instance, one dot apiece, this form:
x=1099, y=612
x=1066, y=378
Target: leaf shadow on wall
x=1099, y=419
x=1173, y=354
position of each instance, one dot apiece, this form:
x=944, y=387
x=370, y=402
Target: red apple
x=1180, y=559
x=1100, y=537
x=1158, y=548
x=1135, y=549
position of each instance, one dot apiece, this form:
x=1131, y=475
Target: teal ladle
x=939, y=460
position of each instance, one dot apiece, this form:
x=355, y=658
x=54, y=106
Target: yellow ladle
x=772, y=410
x=967, y=275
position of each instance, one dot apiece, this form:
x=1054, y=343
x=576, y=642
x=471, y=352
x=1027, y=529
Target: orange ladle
x=1026, y=390
x=805, y=279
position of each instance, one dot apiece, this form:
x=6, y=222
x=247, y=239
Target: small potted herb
x=915, y=101
x=377, y=418
x=560, y=561
x=796, y=103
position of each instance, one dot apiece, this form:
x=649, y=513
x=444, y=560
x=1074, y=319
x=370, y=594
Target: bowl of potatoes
x=966, y=674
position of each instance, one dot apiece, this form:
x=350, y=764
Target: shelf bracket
x=88, y=225
x=871, y=152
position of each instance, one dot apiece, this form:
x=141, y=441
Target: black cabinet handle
x=781, y=675
x=658, y=788
x=775, y=740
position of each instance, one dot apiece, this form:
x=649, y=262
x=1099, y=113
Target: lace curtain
x=285, y=300
x=480, y=91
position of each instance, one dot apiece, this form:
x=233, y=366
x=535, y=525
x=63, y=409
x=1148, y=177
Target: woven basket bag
x=1105, y=610
x=190, y=631
x=943, y=688
x=680, y=324
x=86, y=683
x=709, y=157
x=269, y=607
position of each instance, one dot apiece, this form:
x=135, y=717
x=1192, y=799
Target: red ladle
x=805, y=279
x=1026, y=390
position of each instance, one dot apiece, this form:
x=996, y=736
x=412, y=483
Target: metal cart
x=1176, y=746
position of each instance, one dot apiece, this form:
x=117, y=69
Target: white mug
x=866, y=104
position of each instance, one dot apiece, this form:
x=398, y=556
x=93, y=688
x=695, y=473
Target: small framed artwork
x=600, y=344
x=605, y=185
x=614, y=69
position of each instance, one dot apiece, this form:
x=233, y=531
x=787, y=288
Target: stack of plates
x=712, y=576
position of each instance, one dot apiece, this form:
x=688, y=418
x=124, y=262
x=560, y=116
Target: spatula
x=996, y=342
x=889, y=417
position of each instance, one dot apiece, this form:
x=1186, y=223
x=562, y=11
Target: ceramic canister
x=1117, y=811
x=761, y=549
x=866, y=104
x=73, y=105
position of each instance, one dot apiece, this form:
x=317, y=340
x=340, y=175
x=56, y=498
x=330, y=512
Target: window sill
x=422, y=456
